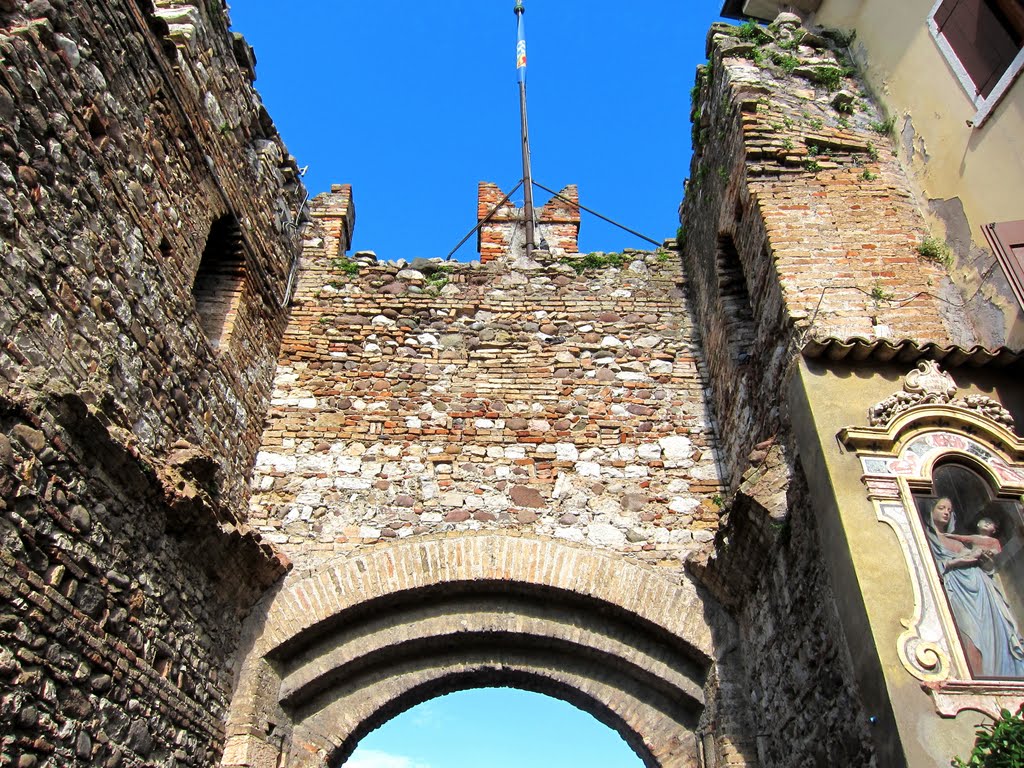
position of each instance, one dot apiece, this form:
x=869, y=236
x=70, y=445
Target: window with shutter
x=1007, y=241
x=983, y=40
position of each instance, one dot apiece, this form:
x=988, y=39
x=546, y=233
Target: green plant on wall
x=878, y=293
x=597, y=261
x=752, y=32
x=934, y=249
x=345, y=266
x=999, y=744
x=787, y=62
x=791, y=44
x=883, y=126
x=438, y=279
x=830, y=77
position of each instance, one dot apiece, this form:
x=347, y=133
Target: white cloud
x=427, y=716
x=372, y=758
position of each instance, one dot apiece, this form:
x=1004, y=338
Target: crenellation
x=502, y=233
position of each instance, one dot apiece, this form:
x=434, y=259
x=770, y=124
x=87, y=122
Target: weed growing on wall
x=345, y=266
x=934, y=249
x=597, y=261
x=438, y=279
x=752, y=32
x=829, y=77
x=878, y=293
x=787, y=62
x=883, y=126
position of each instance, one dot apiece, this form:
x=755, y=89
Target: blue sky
x=413, y=103
x=493, y=728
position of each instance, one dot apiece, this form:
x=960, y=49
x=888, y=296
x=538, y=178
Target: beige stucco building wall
x=873, y=585
x=982, y=167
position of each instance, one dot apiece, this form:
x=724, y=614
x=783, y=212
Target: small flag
x=520, y=46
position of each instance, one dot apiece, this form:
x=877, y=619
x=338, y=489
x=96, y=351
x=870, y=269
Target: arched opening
x=496, y=727
x=363, y=666
x=347, y=646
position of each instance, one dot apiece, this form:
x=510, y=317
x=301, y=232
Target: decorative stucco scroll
x=928, y=384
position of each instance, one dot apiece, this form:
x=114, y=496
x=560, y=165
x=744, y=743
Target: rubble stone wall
x=803, y=703
x=125, y=133
x=121, y=593
x=514, y=395
x=126, y=130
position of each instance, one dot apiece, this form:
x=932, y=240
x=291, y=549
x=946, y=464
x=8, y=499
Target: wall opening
x=496, y=727
x=737, y=313
x=220, y=281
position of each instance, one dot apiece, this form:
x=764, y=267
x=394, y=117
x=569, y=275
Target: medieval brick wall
x=800, y=231
x=451, y=397
x=799, y=224
x=609, y=403
x=126, y=131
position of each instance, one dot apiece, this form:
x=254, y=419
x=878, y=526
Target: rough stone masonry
x=539, y=396
x=127, y=130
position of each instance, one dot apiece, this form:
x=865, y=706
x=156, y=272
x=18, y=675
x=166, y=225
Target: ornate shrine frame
x=910, y=433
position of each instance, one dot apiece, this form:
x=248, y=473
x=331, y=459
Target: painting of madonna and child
x=976, y=542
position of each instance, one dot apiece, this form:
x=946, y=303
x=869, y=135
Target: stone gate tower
x=258, y=495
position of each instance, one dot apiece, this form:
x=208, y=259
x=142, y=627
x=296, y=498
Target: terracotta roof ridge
x=883, y=350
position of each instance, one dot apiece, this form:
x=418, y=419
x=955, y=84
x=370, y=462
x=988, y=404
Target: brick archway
x=339, y=649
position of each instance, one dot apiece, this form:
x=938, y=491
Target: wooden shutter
x=1007, y=240
x=984, y=35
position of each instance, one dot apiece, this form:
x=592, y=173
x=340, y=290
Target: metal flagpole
x=521, y=76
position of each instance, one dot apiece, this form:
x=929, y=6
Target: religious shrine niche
x=947, y=475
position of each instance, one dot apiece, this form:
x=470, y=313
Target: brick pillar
x=494, y=239
x=560, y=222
x=504, y=234
x=337, y=215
